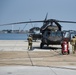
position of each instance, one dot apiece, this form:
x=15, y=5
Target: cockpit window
x=66, y=34
x=37, y=31
x=56, y=34
x=51, y=33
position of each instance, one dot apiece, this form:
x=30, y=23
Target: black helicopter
x=52, y=33
x=35, y=32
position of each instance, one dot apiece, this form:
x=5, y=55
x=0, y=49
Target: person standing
x=73, y=43
x=29, y=42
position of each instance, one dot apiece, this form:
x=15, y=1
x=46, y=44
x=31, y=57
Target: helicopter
x=35, y=33
x=51, y=31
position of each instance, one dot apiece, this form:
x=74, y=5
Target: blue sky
x=24, y=10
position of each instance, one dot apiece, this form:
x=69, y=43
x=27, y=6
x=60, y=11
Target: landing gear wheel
x=41, y=45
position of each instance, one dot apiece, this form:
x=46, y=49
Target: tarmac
x=16, y=59
x=29, y=70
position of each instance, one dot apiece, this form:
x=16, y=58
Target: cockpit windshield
x=56, y=33
x=37, y=31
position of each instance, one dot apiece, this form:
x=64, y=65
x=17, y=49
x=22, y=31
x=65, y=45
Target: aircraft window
x=59, y=34
x=66, y=34
x=56, y=34
x=36, y=31
x=47, y=33
x=72, y=34
x=53, y=34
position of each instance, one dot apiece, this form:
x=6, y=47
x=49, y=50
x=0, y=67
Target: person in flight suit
x=29, y=42
x=73, y=43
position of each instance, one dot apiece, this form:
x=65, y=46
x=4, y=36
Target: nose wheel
x=41, y=45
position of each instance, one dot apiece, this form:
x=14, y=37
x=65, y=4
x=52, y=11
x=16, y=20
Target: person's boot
x=73, y=52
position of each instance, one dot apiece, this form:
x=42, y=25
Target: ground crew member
x=29, y=42
x=73, y=43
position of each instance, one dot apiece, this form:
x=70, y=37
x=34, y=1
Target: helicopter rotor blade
x=44, y=23
x=66, y=21
x=46, y=17
x=21, y=23
x=50, y=20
